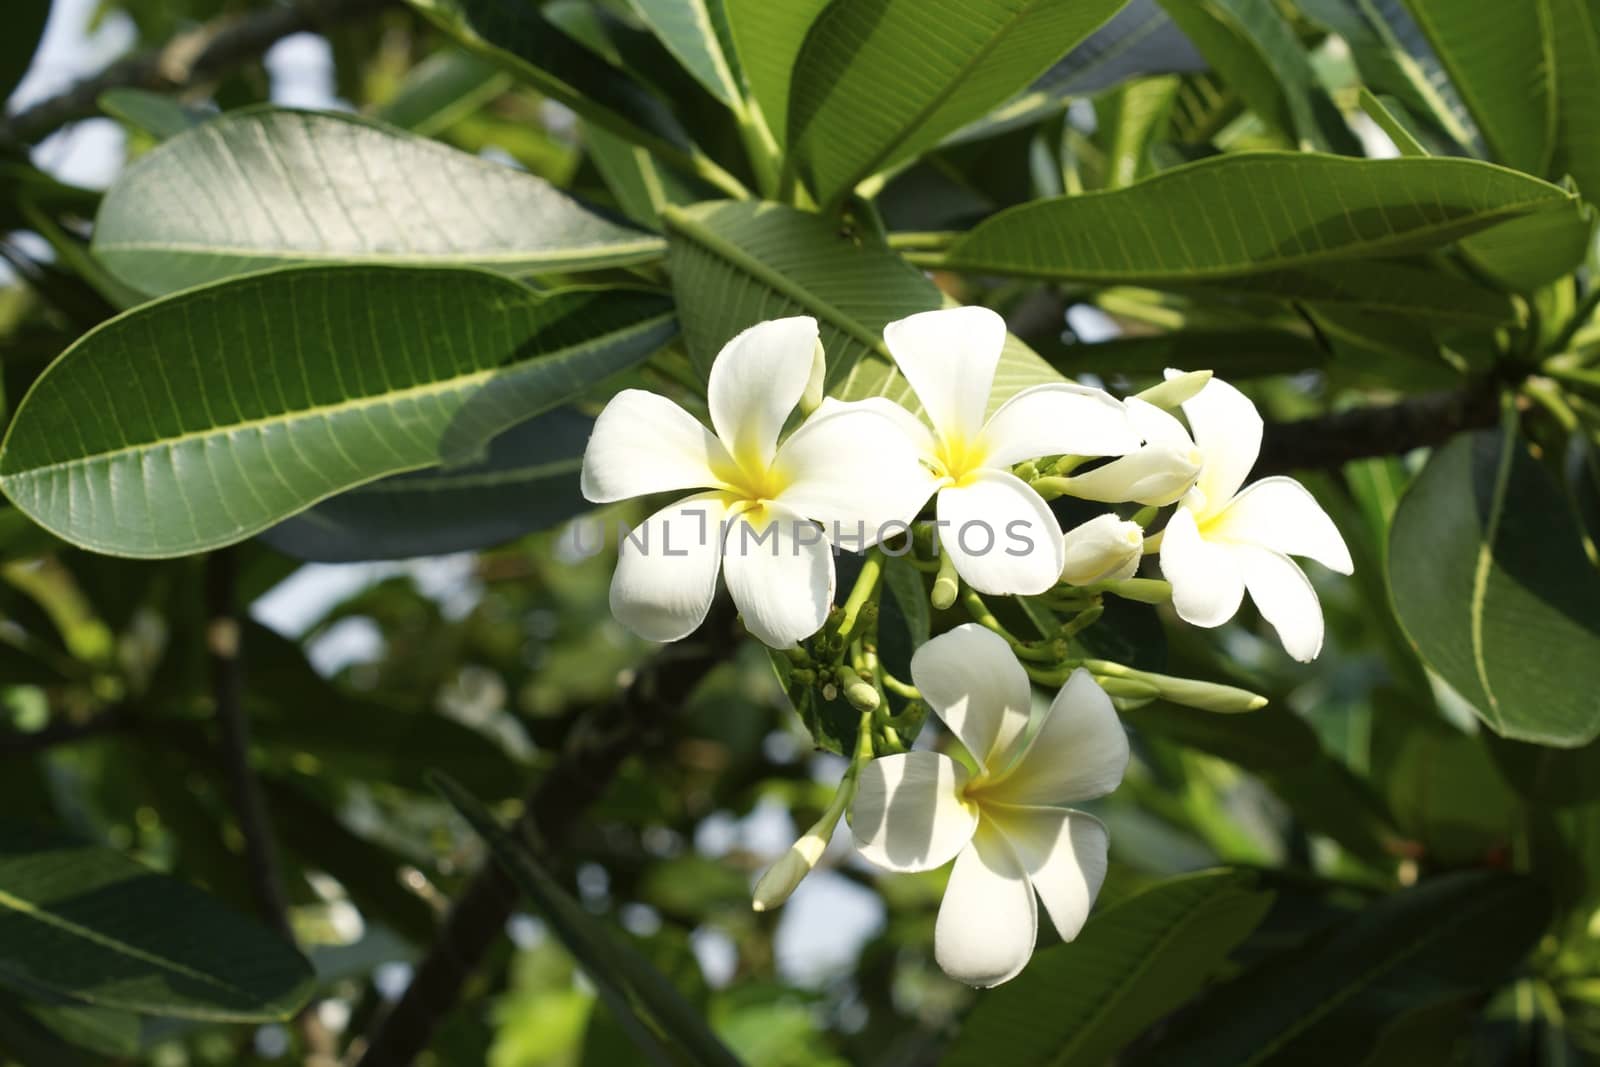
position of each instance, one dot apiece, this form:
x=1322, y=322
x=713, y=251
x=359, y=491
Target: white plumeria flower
x=1012, y=542
x=1004, y=824
x=1158, y=473
x=852, y=471
x=1223, y=540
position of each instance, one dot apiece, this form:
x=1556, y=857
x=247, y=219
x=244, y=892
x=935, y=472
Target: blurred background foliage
x=1367, y=775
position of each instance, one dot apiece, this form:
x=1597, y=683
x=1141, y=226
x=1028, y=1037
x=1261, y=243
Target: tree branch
x=184, y=61
x=602, y=740
x=1380, y=430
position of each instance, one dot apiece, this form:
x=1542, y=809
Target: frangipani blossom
x=1223, y=540
x=1012, y=542
x=1158, y=473
x=853, y=471
x=1013, y=842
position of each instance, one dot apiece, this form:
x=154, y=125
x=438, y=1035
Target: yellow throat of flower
x=751, y=479
x=958, y=457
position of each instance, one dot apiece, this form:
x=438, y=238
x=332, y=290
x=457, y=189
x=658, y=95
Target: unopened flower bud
x=811, y=399
x=1103, y=549
x=1156, y=474
x=1206, y=696
x=1178, y=387
x=1144, y=590
x=785, y=876
x=857, y=690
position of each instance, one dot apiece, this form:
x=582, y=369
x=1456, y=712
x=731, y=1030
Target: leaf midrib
x=1132, y=978
x=289, y=418
x=923, y=114
x=1480, y=574
x=48, y=918
x=692, y=229
x=1321, y=1010
x=645, y=246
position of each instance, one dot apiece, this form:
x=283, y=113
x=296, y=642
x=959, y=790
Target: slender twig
x=227, y=690
x=604, y=737
x=186, y=60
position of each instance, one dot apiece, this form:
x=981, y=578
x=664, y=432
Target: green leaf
x=1078, y=1003
x=1252, y=213
x=1245, y=353
x=686, y=28
x=527, y=482
x=1256, y=50
x=521, y=39
x=320, y=379
x=1394, y=57
x=266, y=187
x=1493, y=589
x=1326, y=1002
x=1499, y=61
x=1575, y=43
x=768, y=36
x=630, y=986
x=877, y=83
x=82, y=922
x=160, y=115
x=735, y=264
x=109, y=1033
x=442, y=89
x=641, y=185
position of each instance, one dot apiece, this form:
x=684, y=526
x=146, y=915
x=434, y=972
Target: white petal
x=856, y=472
x=756, y=381
x=1000, y=534
x=1058, y=419
x=949, y=357
x=972, y=680
x=914, y=428
x=908, y=814
x=1156, y=474
x=1207, y=587
x=1064, y=853
x=989, y=919
x=1227, y=428
x=1280, y=514
x=1079, y=751
x=644, y=443
x=779, y=568
x=667, y=569
x=1104, y=549
x=1285, y=598
x=1157, y=426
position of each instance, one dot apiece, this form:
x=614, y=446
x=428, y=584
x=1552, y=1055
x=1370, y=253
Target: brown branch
x=602, y=740
x=187, y=60
x=1378, y=430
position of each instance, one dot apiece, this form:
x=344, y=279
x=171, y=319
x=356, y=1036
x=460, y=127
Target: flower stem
x=866, y=585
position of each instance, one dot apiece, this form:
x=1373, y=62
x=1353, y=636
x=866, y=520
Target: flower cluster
x=970, y=482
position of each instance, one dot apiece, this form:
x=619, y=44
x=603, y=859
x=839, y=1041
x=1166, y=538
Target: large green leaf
x=1394, y=57
x=528, y=481
x=735, y=264
x=687, y=29
x=203, y=418
x=1499, y=61
x=637, y=994
x=769, y=36
x=1493, y=588
x=1323, y=1004
x=879, y=82
x=83, y=922
x=1250, y=213
x=1575, y=34
x=1251, y=44
x=1078, y=1003
x=264, y=188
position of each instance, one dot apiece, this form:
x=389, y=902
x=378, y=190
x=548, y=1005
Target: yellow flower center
x=959, y=458
x=750, y=478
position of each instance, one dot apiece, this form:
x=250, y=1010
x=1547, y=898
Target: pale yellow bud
x=1176, y=389
x=1103, y=549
